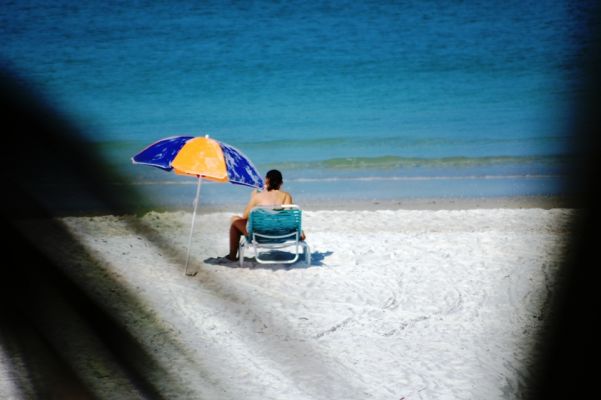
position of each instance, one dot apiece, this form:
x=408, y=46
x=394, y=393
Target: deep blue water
x=360, y=100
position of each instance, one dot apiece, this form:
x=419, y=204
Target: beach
x=421, y=302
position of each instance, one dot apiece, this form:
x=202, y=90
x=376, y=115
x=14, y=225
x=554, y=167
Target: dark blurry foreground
x=47, y=320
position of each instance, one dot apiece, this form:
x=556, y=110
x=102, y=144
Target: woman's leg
x=237, y=229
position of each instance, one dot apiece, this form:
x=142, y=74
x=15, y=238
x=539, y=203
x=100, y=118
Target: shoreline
x=444, y=203
x=466, y=203
x=545, y=202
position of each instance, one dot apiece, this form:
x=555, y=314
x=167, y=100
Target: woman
x=271, y=196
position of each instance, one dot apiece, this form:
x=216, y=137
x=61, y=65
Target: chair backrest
x=274, y=221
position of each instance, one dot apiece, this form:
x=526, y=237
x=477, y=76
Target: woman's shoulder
x=287, y=197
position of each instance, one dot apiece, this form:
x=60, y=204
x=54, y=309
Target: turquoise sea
x=360, y=100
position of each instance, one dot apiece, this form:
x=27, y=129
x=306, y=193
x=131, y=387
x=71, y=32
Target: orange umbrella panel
x=201, y=156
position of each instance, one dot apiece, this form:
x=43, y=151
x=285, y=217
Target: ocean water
x=351, y=100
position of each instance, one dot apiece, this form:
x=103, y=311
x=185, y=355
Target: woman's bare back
x=272, y=198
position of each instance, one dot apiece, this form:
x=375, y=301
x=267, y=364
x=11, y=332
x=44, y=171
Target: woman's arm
x=251, y=204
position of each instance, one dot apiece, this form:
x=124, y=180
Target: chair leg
x=264, y=261
x=307, y=253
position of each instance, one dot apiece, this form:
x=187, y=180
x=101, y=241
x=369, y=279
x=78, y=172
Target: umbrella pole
x=192, y=227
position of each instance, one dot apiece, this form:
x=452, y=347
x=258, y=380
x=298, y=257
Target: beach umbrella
x=202, y=158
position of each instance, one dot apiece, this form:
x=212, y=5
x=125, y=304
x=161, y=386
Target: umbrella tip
x=207, y=136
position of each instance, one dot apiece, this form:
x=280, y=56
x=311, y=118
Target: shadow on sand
x=317, y=260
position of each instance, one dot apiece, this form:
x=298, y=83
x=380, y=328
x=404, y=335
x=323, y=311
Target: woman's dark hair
x=275, y=179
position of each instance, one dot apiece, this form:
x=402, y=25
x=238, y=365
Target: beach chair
x=272, y=228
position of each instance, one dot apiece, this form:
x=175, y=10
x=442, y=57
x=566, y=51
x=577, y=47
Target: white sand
x=404, y=304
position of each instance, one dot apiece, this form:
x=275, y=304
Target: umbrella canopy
x=203, y=158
